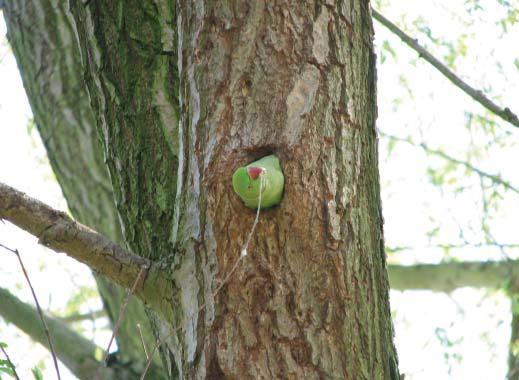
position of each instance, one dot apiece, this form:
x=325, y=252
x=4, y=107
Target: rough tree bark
x=182, y=95
x=297, y=80
x=42, y=38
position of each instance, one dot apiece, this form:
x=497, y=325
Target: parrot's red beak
x=254, y=172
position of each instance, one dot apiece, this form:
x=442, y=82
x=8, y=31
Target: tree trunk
x=182, y=96
x=45, y=47
x=311, y=299
x=513, y=346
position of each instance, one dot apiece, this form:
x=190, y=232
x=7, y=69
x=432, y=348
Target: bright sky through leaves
x=428, y=201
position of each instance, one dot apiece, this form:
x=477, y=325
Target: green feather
x=248, y=188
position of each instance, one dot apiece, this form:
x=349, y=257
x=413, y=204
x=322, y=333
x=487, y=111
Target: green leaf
x=7, y=369
x=386, y=47
x=390, y=146
x=79, y=298
x=36, y=372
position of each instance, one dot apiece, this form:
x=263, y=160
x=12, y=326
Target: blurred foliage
x=450, y=355
x=80, y=298
x=453, y=166
x=6, y=367
x=36, y=372
x=436, y=206
x=447, y=167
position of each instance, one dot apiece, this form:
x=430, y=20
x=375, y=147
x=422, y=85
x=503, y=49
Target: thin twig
x=122, y=312
x=243, y=254
x=504, y=113
x=262, y=188
x=448, y=276
x=493, y=177
x=40, y=312
x=148, y=363
x=449, y=246
x=15, y=374
x=142, y=341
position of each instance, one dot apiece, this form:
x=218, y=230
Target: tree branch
x=58, y=231
x=446, y=277
x=38, y=308
x=504, y=113
x=67, y=126
x=513, y=357
x=446, y=246
x=72, y=349
x=91, y=316
x=493, y=177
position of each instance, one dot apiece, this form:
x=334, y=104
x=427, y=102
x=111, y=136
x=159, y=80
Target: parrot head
x=246, y=182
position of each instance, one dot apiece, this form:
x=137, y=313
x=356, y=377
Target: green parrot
x=246, y=182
